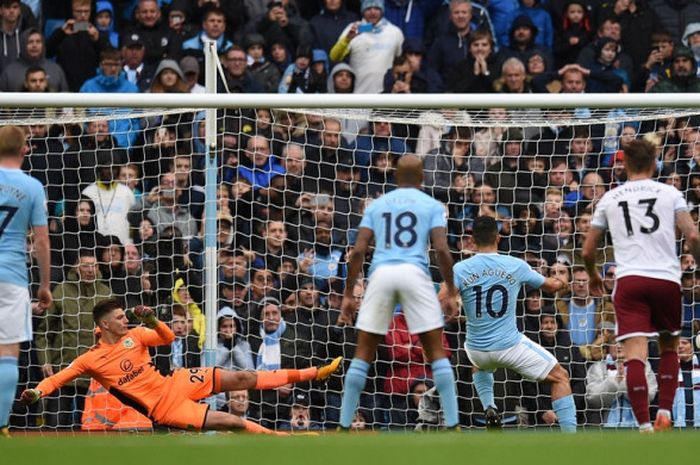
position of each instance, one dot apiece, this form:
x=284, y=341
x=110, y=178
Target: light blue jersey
x=22, y=205
x=489, y=284
x=401, y=221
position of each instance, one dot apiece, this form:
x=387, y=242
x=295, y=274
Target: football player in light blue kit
x=402, y=224
x=489, y=284
x=22, y=205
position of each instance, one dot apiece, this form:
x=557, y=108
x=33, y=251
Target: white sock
x=664, y=412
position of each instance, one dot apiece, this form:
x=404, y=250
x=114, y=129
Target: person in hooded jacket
x=104, y=21
x=604, y=76
x=522, y=42
x=168, y=78
x=32, y=54
x=683, y=76
x=13, y=21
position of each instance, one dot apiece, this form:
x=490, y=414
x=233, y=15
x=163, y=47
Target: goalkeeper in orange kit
x=121, y=363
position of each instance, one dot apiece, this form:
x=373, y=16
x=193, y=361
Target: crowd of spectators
x=126, y=197
x=346, y=46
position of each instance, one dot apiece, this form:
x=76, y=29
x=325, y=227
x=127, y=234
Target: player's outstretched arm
x=448, y=297
x=590, y=247
x=50, y=384
x=690, y=231
x=357, y=259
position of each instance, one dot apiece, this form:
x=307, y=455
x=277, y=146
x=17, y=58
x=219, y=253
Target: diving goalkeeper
x=121, y=363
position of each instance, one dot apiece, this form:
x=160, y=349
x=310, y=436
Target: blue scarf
x=270, y=355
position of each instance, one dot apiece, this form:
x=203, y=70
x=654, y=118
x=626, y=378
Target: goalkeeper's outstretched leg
x=237, y=380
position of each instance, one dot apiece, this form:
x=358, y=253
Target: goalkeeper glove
x=146, y=315
x=29, y=396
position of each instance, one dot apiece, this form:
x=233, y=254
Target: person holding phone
x=77, y=33
x=371, y=45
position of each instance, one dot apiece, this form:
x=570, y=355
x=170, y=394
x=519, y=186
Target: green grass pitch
x=510, y=448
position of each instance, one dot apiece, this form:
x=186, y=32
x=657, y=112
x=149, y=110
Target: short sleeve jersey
x=641, y=217
x=489, y=285
x=402, y=221
x=22, y=205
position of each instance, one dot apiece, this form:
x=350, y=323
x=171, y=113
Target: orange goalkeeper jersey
x=124, y=368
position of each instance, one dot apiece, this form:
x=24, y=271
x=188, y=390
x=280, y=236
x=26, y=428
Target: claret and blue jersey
x=489, y=284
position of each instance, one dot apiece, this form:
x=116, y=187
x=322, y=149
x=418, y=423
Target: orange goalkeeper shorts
x=178, y=407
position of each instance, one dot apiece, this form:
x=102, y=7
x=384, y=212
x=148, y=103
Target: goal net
x=127, y=206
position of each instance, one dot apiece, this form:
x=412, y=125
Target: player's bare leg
x=237, y=380
x=562, y=399
x=226, y=421
x=636, y=353
x=356, y=376
x=669, y=366
x=443, y=376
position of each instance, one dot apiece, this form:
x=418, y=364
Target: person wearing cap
x=190, y=68
x=262, y=70
x=329, y=23
x=281, y=22
x=137, y=71
x=32, y=55
x=158, y=39
x=683, y=76
x=64, y=41
x=370, y=46
x=300, y=414
x=606, y=389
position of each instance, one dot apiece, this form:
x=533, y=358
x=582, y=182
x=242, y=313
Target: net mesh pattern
x=125, y=197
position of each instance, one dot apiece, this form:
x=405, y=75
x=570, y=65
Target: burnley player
x=121, y=363
x=642, y=216
x=489, y=284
